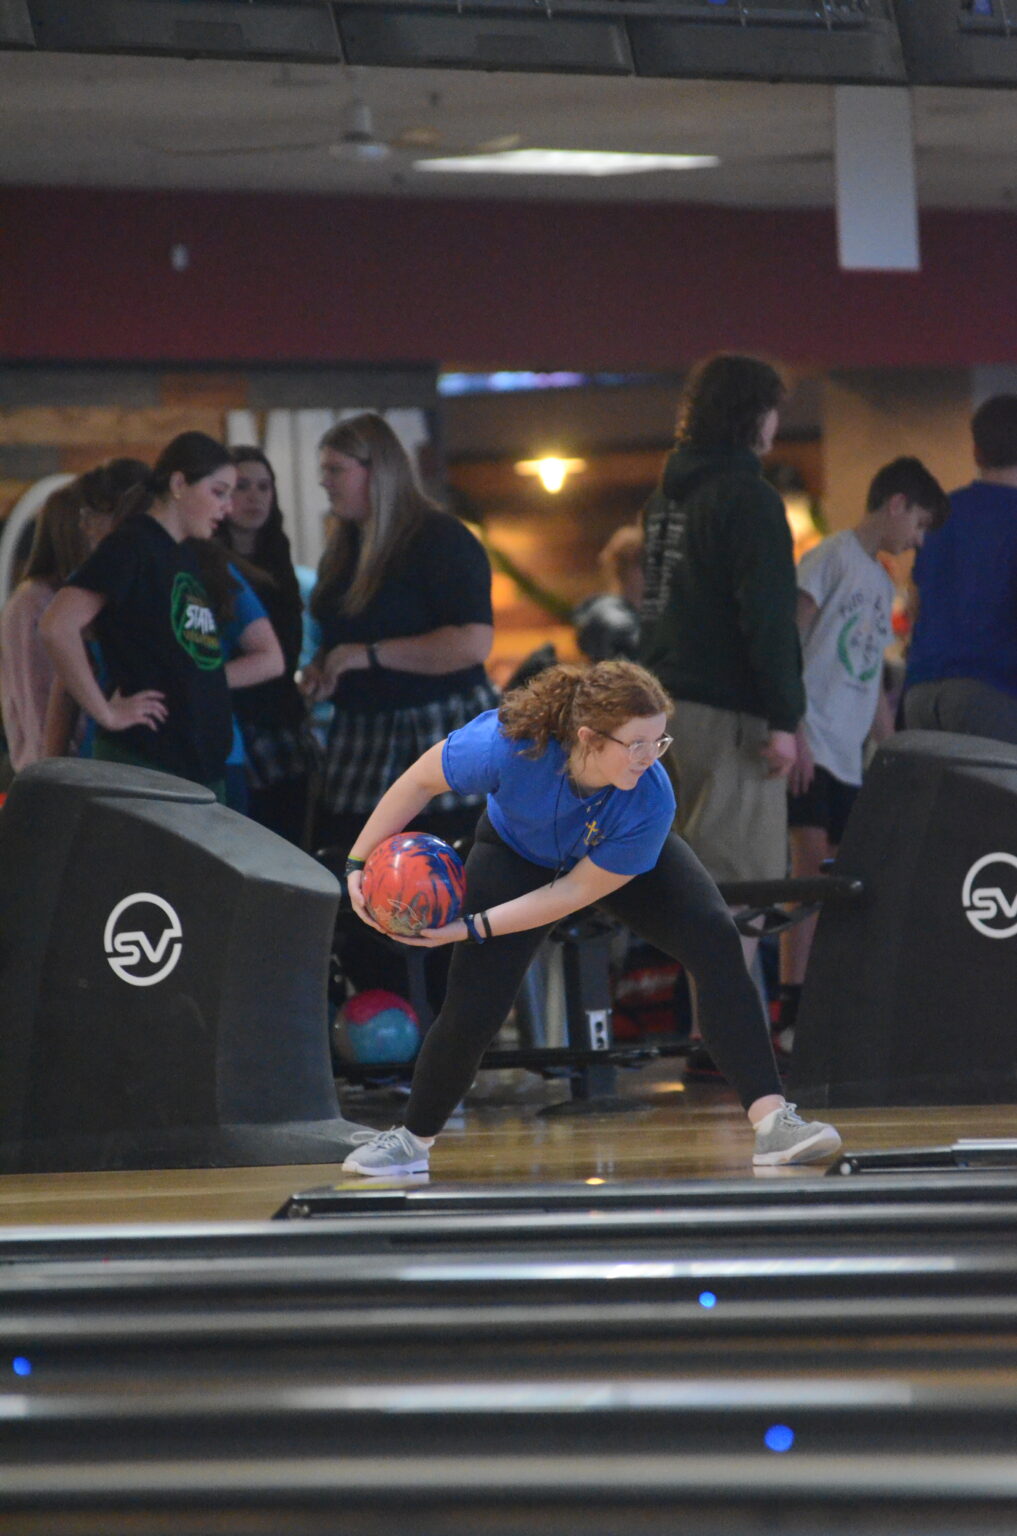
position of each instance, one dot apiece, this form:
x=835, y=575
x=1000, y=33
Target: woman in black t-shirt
x=142, y=591
x=271, y=716
x=404, y=603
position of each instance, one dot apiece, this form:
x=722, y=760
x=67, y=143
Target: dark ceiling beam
x=884, y=42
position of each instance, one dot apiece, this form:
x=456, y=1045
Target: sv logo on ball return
x=137, y=958
x=987, y=905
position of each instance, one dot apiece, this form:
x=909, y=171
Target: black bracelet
x=353, y=866
x=372, y=656
x=472, y=931
x=487, y=924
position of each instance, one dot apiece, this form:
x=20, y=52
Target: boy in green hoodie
x=719, y=620
x=718, y=624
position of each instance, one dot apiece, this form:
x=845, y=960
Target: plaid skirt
x=365, y=753
x=274, y=754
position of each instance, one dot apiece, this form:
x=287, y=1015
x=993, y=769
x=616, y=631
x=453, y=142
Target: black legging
x=675, y=907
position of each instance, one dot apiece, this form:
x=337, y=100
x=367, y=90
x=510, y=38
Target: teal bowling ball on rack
x=375, y=1028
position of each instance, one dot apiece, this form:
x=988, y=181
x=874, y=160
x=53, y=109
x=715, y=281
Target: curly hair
x=724, y=399
x=558, y=701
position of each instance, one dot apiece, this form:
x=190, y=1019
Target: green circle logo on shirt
x=194, y=622
x=859, y=650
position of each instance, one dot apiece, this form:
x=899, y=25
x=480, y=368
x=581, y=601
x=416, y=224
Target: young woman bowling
x=579, y=811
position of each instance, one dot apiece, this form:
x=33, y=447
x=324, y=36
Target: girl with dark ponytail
x=579, y=811
x=142, y=591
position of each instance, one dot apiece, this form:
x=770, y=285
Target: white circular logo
x=131, y=952
x=985, y=897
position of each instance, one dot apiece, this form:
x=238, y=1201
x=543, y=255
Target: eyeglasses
x=639, y=751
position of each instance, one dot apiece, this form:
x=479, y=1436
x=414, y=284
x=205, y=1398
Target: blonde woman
x=403, y=599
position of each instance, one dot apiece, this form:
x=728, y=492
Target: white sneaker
x=389, y=1152
x=784, y=1137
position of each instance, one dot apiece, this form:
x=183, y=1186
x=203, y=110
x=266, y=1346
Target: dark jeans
x=675, y=907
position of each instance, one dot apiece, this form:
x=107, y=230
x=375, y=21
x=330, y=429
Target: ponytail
x=194, y=455
x=555, y=703
x=141, y=497
x=543, y=709
x=104, y=488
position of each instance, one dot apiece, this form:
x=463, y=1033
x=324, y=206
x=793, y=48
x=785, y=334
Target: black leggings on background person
x=675, y=907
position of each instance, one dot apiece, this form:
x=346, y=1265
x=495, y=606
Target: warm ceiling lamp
x=551, y=471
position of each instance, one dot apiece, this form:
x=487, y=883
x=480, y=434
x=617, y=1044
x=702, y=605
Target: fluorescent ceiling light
x=567, y=162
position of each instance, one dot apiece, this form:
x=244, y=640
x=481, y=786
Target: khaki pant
x=731, y=815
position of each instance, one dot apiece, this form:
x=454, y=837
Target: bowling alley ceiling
x=68, y=119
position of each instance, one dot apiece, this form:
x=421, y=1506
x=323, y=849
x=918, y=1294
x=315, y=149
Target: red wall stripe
x=85, y=275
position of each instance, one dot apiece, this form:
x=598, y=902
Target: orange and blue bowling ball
x=413, y=881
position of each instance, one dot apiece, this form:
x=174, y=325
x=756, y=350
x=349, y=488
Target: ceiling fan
x=356, y=141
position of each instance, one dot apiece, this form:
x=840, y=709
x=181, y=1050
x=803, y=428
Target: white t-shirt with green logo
x=843, y=651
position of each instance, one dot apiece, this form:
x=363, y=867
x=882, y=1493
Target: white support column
x=877, y=195
x=309, y=504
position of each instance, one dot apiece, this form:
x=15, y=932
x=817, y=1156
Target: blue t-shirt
x=534, y=809
x=966, y=574
x=247, y=607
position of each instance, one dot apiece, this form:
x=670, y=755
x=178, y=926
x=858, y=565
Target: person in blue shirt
x=579, y=811
x=247, y=632
x=962, y=663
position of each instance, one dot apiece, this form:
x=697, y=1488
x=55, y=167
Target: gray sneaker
x=389, y=1152
x=791, y=1139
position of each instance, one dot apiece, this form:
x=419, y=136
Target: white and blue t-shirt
x=534, y=809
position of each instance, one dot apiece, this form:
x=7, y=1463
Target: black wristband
x=353, y=865
x=372, y=656
x=487, y=924
x=472, y=931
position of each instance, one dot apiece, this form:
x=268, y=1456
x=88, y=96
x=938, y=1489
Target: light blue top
x=247, y=607
x=534, y=809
